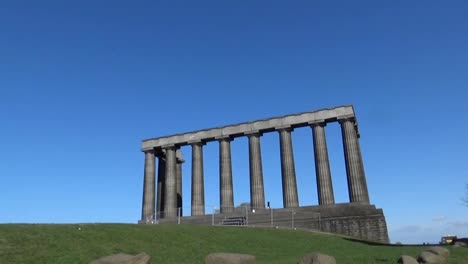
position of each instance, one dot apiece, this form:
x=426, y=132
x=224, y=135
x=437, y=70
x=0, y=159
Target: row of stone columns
x=170, y=173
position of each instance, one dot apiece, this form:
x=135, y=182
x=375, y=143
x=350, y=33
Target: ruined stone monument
x=358, y=218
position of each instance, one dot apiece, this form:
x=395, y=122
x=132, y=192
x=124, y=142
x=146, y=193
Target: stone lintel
x=239, y=130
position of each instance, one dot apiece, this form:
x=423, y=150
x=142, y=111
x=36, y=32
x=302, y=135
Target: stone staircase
x=234, y=221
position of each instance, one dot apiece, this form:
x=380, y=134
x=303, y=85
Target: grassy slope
x=186, y=244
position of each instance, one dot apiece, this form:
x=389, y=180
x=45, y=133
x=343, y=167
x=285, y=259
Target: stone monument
x=357, y=218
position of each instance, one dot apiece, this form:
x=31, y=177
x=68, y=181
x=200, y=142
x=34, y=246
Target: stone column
x=225, y=173
x=161, y=185
x=357, y=185
x=288, y=172
x=147, y=214
x=170, y=199
x=198, y=189
x=322, y=165
x=179, y=180
x=257, y=193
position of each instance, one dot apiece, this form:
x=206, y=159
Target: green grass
x=21, y=243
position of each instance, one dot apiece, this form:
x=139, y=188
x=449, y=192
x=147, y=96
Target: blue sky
x=81, y=84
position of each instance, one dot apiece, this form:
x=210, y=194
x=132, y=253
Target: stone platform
x=360, y=221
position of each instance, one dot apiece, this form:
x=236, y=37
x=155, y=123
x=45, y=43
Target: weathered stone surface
x=257, y=192
x=121, y=258
x=141, y=258
x=357, y=219
x=431, y=258
x=407, y=260
x=317, y=258
x=288, y=172
x=460, y=244
x=237, y=130
x=357, y=184
x=161, y=186
x=170, y=199
x=333, y=219
x=322, y=165
x=198, y=187
x=147, y=214
x=229, y=258
x=441, y=251
x=226, y=192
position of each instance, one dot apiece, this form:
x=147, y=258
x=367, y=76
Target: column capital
x=152, y=151
x=169, y=146
x=353, y=120
x=347, y=118
x=224, y=138
x=321, y=123
x=284, y=128
x=253, y=133
x=197, y=142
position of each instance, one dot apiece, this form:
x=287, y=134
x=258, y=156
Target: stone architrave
x=198, y=189
x=170, y=198
x=322, y=165
x=225, y=172
x=288, y=171
x=147, y=215
x=239, y=130
x=357, y=185
x=257, y=192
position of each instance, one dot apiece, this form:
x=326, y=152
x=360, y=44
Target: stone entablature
x=243, y=129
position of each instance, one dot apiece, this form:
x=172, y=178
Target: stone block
x=317, y=258
x=460, y=244
x=407, y=260
x=121, y=258
x=431, y=258
x=229, y=258
x=441, y=251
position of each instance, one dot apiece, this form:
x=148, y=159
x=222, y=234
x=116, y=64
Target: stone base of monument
x=356, y=220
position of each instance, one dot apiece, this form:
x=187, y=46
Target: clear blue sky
x=82, y=83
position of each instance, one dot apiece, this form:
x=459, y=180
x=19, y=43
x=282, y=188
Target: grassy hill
x=81, y=243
